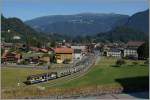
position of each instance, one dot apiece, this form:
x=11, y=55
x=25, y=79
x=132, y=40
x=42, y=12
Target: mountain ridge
x=83, y=23
x=139, y=21
x=11, y=27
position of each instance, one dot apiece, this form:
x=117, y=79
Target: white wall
x=114, y=54
x=77, y=55
x=130, y=52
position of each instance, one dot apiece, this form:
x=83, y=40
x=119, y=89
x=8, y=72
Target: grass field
x=11, y=76
x=104, y=73
x=101, y=74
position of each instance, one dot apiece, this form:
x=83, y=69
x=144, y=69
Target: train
x=32, y=79
x=38, y=78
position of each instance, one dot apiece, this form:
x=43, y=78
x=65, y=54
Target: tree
x=143, y=51
x=53, y=43
x=52, y=57
x=120, y=62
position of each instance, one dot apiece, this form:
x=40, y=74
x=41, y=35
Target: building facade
x=130, y=52
x=63, y=54
x=78, y=51
x=11, y=57
x=131, y=48
x=114, y=53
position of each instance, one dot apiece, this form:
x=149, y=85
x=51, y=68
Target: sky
x=29, y=9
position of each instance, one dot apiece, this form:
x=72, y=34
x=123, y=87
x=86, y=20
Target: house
x=114, y=52
x=38, y=59
x=33, y=60
x=63, y=54
x=45, y=59
x=131, y=48
x=134, y=44
x=7, y=45
x=78, y=51
x=77, y=54
x=130, y=51
x=34, y=49
x=11, y=57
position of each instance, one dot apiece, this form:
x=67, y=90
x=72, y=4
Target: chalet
x=11, y=57
x=114, y=52
x=63, y=54
x=131, y=48
x=45, y=59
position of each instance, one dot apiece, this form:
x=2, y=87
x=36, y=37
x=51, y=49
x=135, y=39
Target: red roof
x=34, y=48
x=63, y=50
x=135, y=43
x=43, y=50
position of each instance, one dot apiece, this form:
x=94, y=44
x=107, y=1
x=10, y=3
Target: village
x=65, y=53
x=67, y=62
x=75, y=49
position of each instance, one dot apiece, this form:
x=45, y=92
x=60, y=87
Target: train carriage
x=32, y=79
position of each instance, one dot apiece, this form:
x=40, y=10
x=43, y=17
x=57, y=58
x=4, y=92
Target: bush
x=120, y=62
x=134, y=63
x=42, y=62
x=131, y=57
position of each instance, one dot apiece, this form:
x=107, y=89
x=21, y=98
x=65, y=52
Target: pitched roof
x=114, y=50
x=63, y=50
x=12, y=54
x=43, y=50
x=134, y=43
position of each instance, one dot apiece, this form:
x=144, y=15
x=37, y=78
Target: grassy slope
x=103, y=73
x=11, y=76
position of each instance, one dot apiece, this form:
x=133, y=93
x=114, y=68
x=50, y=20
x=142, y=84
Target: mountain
x=78, y=24
x=136, y=28
x=139, y=21
x=122, y=33
x=11, y=27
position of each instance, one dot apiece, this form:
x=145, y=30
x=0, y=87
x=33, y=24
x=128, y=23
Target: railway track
x=72, y=76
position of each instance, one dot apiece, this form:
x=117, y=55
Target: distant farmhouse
x=11, y=57
x=63, y=54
